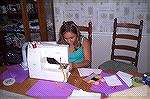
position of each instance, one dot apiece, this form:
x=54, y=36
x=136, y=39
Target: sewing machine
x=44, y=61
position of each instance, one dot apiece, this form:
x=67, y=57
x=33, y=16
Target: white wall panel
x=101, y=49
x=143, y=55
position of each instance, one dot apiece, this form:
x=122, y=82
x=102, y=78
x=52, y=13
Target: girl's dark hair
x=69, y=26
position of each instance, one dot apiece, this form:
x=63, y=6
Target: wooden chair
x=87, y=29
x=130, y=34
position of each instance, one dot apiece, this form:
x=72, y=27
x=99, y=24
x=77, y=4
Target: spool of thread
x=34, y=44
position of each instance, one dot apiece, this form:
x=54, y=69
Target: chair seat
x=117, y=66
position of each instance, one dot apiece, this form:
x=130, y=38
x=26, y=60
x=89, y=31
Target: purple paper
x=51, y=89
x=16, y=72
x=104, y=88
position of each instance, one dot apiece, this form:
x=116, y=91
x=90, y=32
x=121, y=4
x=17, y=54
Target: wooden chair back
x=87, y=29
x=123, y=31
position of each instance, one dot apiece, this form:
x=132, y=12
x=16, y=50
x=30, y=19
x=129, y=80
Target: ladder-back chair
x=126, y=37
x=87, y=29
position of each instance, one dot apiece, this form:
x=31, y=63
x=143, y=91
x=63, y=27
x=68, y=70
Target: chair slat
x=128, y=25
x=125, y=47
x=127, y=58
x=126, y=36
x=82, y=28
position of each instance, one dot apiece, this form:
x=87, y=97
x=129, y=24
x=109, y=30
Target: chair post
x=138, y=43
x=90, y=32
x=113, y=37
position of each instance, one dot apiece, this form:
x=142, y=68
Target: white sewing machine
x=44, y=58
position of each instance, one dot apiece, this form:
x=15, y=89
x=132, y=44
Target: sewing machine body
x=40, y=68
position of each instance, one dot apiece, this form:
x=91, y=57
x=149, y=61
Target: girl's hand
x=64, y=66
x=70, y=42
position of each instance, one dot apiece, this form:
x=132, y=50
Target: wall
x=148, y=50
x=102, y=13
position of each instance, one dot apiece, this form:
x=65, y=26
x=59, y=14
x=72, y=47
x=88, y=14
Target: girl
x=79, y=46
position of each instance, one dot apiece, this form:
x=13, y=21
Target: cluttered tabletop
x=81, y=82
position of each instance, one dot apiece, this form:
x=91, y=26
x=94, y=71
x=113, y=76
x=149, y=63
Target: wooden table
x=21, y=88
x=74, y=79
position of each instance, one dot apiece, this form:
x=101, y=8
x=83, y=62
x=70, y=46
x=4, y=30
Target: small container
x=144, y=78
